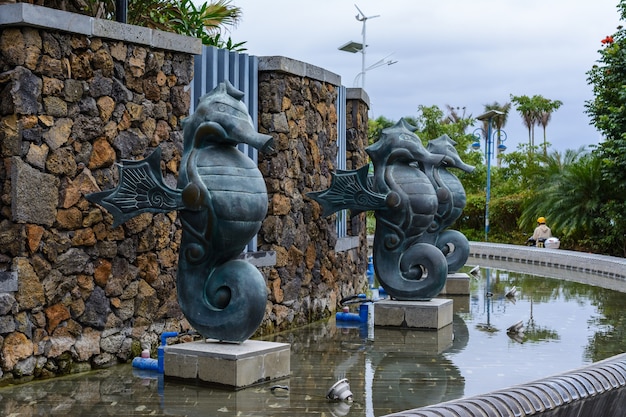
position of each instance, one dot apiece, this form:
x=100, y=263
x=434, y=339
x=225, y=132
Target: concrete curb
x=299, y=68
x=595, y=390
x=554, y=258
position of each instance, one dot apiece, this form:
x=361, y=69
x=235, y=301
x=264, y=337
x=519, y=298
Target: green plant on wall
x=206, y=22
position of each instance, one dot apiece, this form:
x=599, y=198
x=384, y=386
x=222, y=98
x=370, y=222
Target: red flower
x=607, y=40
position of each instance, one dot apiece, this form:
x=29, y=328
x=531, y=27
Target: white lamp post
x=354, y=47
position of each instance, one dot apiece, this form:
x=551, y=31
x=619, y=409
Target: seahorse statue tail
x=455, y=246
x=416, y=272
x=232, y=300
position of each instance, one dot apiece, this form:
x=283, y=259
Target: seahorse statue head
x=221, y=117
x=399, y=143
x=444, y=145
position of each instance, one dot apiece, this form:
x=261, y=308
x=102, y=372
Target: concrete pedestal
x=457, y=284
x=433, y=314
x=230, y=365
x=429, y=341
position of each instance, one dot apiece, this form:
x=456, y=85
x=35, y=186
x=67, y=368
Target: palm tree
x=570, y=200
x=545, y=110
x=528, y=112
x=556, y=162
x=499, y=121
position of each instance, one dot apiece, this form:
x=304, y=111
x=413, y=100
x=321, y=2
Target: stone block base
x=229, y=365
x=433, y=314
x=429, y=341
x=457, y=284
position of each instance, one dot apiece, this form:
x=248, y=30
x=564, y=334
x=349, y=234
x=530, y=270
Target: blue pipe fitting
x=161, y=349
x=150, y=364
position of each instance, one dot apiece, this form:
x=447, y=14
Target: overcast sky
x=449, y=52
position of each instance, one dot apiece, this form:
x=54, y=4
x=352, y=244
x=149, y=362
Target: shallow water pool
x=566, y=325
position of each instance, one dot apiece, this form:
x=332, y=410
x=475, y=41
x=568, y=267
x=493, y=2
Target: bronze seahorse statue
x=406, y=267
x=451, y=202
x=409, y=210
x=222, y=201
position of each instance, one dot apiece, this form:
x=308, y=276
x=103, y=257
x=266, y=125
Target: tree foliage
x=375, y=128
x=607, y=111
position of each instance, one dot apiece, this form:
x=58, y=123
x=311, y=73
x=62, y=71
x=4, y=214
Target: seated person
x=542, y=232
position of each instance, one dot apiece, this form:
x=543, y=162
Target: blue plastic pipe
x=161, y=351
x=354, y=317
x=150, y=364
x=147, y=364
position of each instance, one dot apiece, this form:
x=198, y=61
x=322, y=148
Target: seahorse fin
x=141, y=189
x=349, y=190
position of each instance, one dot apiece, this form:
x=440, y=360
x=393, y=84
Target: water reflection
x=566, y=325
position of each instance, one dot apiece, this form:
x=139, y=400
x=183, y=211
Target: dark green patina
x=222, y=201
x=415, y=200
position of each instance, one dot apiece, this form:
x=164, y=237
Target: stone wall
x=72, y=104
x=80, y=95
x=297, y=105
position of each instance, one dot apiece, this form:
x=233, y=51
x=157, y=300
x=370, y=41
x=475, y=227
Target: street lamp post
x=354, y=47
x=380, y=63
x=488, y=136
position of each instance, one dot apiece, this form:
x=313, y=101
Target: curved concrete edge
x=609, y=266
x=587, y=391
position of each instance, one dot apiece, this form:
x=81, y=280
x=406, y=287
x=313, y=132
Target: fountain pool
x=566, y=325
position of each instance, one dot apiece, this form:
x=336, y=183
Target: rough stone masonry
x=76, y=294
x=70, y=107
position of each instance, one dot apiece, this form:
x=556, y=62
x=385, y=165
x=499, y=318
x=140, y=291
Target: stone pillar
x=297, y=105
x=357, y=107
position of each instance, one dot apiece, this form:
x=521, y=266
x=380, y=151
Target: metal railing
x=342, y=216
x=216, y=65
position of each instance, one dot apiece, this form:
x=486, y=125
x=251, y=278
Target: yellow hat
x=541, y=220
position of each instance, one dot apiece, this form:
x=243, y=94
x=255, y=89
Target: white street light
x=377, y=64
x=355, y=47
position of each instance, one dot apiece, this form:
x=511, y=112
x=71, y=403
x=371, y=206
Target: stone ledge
x=25, y=14
x=346, y=243
x=225, y=364
x=110, y=29
x=261, y=258
x=299, y=68
x=358, y=94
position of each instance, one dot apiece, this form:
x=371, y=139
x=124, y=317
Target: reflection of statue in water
x=415, y=199
x=222, y=200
